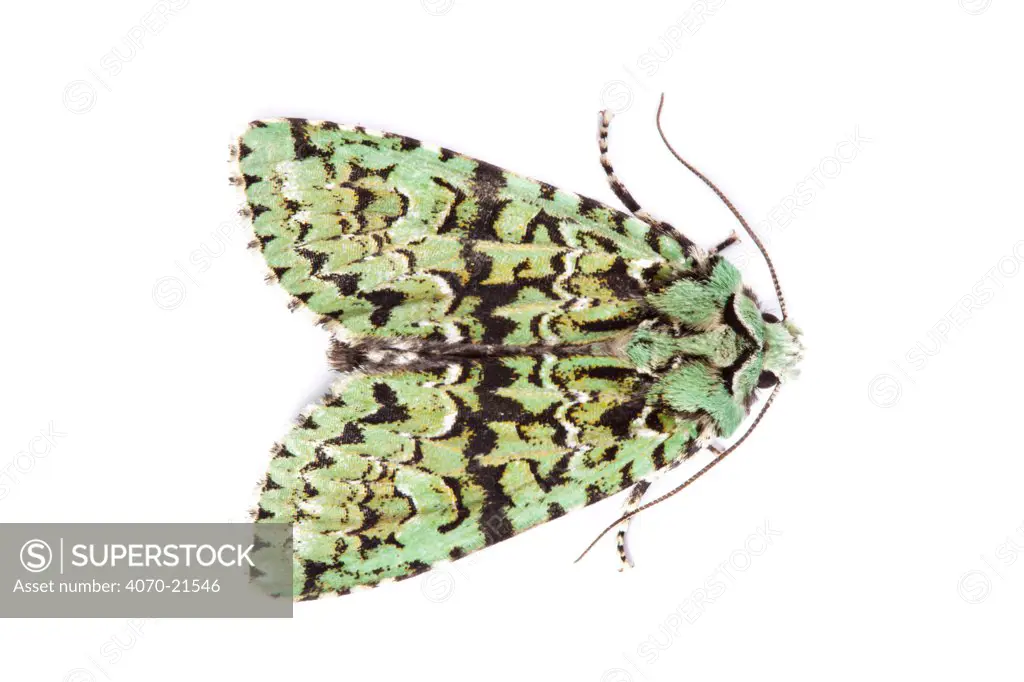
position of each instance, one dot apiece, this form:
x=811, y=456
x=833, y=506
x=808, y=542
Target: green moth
x=507, y=351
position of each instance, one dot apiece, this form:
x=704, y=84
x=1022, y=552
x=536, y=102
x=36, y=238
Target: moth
x=507, y=351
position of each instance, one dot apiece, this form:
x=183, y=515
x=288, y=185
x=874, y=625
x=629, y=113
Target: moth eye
x=768, y=317
x=767, y=380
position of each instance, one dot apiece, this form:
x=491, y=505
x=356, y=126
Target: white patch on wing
x=441, y=282
x=453, y=373
x=636, y=268
x=401, y=261
x=639, y=428
x=289, y=187
x=452, y=333
x=581, y=304
x=447, y=423
x=310, y=505
x=570, y=399
x=558, y=288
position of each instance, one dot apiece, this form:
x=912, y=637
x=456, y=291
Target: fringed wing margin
x=380, y=235
x=394, y=472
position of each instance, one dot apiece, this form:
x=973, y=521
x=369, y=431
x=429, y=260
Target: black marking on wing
x=384, y=301
x=390, y=409
x=461, y=511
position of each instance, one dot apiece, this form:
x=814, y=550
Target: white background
x=889, y=474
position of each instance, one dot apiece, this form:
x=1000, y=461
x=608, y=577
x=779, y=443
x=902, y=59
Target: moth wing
x=391, y=473
x=380, y=235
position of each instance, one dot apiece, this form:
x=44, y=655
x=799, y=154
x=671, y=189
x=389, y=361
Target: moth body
x=507, y=351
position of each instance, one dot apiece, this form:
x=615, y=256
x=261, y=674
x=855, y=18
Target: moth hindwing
x=508, y=351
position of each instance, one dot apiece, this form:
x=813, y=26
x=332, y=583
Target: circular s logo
x=79, y=675
x=168, y=293
x=79, y=96
x=36, y=556
x=438, y=586
x=974, y=587
x=884, y=390
x=975, y=6
x=616, y=96
x=437, y=7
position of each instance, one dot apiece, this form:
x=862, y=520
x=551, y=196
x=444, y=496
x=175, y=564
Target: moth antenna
x=729, y=204
x=679, y=488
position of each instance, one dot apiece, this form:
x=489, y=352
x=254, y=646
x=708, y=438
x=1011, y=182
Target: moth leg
x=634, y=500
x=636, y=495
x=733, y=238
x=631, y=204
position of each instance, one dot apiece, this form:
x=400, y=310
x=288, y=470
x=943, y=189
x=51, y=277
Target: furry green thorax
x=715, y=348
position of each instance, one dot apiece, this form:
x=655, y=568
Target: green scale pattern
x=510, y=351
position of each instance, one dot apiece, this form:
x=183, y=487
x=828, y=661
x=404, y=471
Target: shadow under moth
x=507, y=351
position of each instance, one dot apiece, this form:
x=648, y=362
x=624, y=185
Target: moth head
x=728, y=350
x=775, y=347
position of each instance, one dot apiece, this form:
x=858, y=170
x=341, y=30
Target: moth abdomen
x=374, y=355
